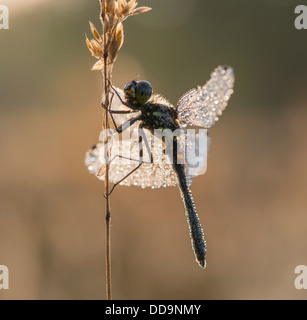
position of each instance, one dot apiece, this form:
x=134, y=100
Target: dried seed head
x=99, y=65
x=125, y=8
x=95, y=33
x=140, y=10
x=110, y=6
x=113, y=13
x=102, y=9
x=116, y=43
x=106, y=25
x=102, y=171
x=119, y=35
x=121, y=5
x=116, y=11
x=94, y=47
x=132, y=5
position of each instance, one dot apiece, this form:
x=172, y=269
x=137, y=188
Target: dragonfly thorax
x=158, y=116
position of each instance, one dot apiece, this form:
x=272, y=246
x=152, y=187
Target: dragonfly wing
x=202, y=106
x=124, y=156
x=154, y=175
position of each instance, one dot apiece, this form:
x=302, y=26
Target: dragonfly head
x=138, y=92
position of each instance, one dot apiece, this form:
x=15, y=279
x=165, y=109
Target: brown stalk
x=107, y=81
x=105, y=48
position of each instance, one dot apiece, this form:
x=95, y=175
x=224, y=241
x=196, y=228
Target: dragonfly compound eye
x=143, y=92
x=129, y=90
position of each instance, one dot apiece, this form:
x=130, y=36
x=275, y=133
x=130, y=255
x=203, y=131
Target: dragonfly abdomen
x=196, y=231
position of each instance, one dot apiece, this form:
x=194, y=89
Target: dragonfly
x=137, y=107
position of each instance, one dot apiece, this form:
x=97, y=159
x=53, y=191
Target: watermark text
x=4, y=17
x=165, y=147
x=301, y=280
x=4, y=277
x=301, y=20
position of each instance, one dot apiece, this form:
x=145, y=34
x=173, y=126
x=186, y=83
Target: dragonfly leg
x=132, y=171
x=130, y=159
x=111, y=112
x=125, y=125
x=128, y=123
x=146, y=143
x=116, y=111
x=142, y=138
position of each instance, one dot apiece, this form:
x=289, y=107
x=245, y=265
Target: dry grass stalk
x=105, y=48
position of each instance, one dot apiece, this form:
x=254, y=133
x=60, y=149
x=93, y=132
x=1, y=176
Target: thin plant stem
x=105, y=48
x=106, y=190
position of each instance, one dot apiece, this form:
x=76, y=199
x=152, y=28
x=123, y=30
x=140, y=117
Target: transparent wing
x=202, y=106
x=152, y=175
x=124, y=157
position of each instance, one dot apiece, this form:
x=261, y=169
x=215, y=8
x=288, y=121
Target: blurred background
x=251, y=202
